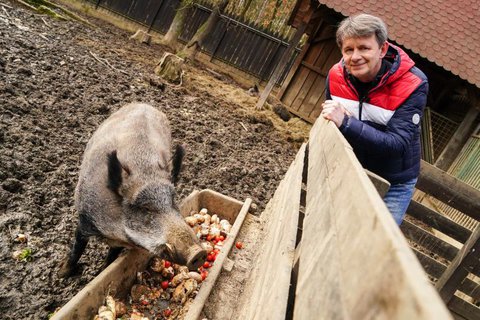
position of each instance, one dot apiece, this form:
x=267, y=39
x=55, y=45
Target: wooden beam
x=435, y=269
x=429, y=241
x=269, y=281
x=437, y=221
x=455, y=145
x=466, y=260
x=277, y=73
x=354, y=261
x=379, y=183
x=464, y=309
x=449, y=190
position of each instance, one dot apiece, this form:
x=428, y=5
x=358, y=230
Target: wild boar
x=125, y=192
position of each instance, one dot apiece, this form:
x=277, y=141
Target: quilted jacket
x=384, y=129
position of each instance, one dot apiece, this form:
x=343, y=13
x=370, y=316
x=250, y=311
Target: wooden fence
x=332, y=250
x=456, y=267
x=233, y=42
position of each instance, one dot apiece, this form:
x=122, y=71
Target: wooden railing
x=334, y=251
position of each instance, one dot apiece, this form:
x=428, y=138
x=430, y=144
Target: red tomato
x=239, y=245
x=215, y=241
x=211, y=257
x=220, y=238
x=204, y=274
x=143, y=302
x=206, y=264
x=167, y=264
x=164, y=285
x=167, y=312
x=217, y=251
x=209, y=237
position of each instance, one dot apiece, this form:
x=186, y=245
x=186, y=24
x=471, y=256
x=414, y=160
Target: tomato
x=164, y=285
x=220, y=238
x=206, y=264
x=204, y=274
x=143, y=302
x=167, y=312
x=239, y=245
x=167, y=264
x=217, y=251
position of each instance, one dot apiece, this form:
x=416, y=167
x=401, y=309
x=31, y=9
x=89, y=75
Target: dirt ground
x=54, y=93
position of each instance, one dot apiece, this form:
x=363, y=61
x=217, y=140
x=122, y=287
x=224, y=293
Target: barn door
x=304, y=88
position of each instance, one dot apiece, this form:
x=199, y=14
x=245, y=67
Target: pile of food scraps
x=163, y=290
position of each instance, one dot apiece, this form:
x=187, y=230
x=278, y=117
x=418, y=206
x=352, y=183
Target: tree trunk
x=192, y=47
x=176, y=28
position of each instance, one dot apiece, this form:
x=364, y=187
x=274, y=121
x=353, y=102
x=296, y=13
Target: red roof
x=445, y=32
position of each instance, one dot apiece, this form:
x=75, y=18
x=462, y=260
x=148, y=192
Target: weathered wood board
x=269, y=281
x=354, y=262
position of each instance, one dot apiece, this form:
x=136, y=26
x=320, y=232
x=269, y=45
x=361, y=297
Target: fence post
x=466, y=260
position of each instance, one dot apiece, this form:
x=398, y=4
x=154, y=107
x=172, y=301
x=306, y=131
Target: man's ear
x=384, y=49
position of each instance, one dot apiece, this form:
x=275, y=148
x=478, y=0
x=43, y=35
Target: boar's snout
x=197, y=259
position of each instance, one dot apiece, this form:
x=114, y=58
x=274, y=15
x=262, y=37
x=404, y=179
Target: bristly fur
x=177, y=162
x=114, y=172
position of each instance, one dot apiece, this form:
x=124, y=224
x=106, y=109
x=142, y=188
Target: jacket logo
x=416, y=118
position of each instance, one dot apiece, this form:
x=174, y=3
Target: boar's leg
x=113, y=254
x=68, y=265
x=177, y=162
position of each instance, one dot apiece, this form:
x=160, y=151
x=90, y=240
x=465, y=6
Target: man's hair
x=362, y=25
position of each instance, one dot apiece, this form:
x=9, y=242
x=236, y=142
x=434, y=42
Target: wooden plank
x=354, y=261
x=466, y=261
x=464, y=309
x=277, y=73
x=429, y=241
x=269, y=281
x=297, y=84
x=449, y=190
x=380, y=184
x=435, y=269
x=293, y=71
x=437, y=221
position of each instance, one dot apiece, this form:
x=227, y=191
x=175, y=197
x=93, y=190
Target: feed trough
x=117, y=279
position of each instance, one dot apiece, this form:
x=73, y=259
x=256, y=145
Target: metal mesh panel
x=442, y=131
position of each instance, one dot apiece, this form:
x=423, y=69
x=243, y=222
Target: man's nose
x=356, y=55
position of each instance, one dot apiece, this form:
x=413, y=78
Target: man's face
x=363, y=57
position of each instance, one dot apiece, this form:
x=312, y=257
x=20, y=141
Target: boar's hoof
x=66, y=270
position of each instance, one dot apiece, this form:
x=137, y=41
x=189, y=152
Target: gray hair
x=362, y=25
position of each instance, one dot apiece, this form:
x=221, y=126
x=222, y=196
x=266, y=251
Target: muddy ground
x=54, y=93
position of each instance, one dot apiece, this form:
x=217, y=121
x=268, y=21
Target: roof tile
x=445, y=32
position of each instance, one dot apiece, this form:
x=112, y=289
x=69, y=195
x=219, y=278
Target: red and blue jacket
x=384, y=129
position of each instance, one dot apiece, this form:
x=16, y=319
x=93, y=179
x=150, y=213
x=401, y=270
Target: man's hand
x=333, y=111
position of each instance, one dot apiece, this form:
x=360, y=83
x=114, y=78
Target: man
x=376, y=96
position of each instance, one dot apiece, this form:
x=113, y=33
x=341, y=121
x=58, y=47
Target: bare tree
x=192, y=47
x=171, y=37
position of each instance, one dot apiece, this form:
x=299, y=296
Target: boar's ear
x=115, y=172
x=177, y=162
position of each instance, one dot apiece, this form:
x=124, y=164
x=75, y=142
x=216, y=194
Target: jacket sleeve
x=327, y=88
x=399, y=131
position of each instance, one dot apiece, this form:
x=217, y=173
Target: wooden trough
x=118, y=278
x=332, y=250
